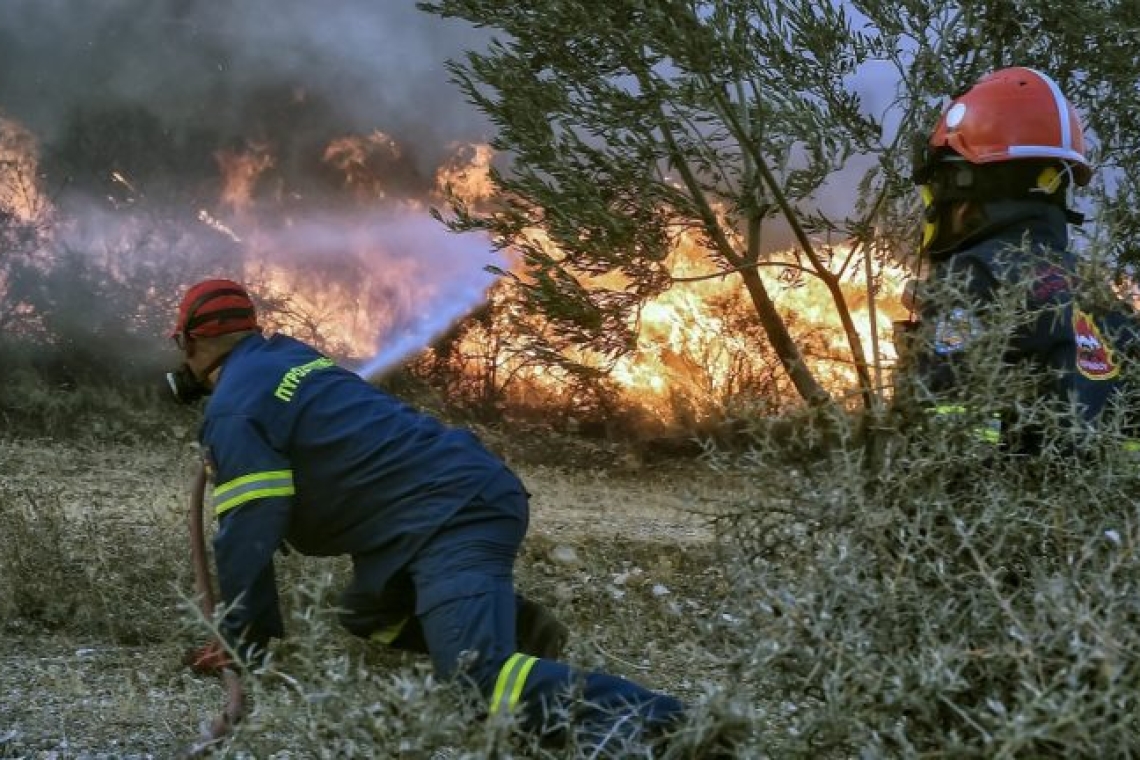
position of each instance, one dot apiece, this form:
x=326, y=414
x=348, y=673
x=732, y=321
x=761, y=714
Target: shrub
x=946, y=597
x=39, y=398
x=69, y=568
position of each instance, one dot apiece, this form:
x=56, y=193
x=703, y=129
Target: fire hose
x=203, y=585
x=202, y=582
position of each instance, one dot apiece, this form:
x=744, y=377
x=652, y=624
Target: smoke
x=392, y=280
x=141, y=106
x=202, y=63
x=443, y=302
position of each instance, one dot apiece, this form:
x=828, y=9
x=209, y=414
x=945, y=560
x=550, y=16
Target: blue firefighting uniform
x=1077, y=349
x=308, y=453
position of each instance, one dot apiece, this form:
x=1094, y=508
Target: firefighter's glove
x=208, y=660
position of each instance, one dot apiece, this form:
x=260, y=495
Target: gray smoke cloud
x=377, y=65
x=134, y=102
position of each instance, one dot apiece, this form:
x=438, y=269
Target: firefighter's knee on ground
x=540, y=633
x=382, y=629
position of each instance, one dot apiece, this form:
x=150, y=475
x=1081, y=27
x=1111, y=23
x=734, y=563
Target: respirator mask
x=185, y=385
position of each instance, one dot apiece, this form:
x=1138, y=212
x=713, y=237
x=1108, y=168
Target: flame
x=25, y=213
x=383, y=274
x=20, y=193
x=240, y=171
x=341, y=315
x=355, y=285
x=362, y=159
x=688, y=345
x=467, y=174
x=699, y=343
x=380, y=275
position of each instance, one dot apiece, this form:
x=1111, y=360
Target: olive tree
x=627, y=124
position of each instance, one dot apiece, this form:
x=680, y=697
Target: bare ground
x=615, y=550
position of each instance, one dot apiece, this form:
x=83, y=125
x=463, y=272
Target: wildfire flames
x=683, y=343
x=392, y=289
x=19, y=169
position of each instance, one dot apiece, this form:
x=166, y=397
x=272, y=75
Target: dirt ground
x=65, y=694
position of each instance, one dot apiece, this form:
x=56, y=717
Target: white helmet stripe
x=1062, y=110
x=1044, y=151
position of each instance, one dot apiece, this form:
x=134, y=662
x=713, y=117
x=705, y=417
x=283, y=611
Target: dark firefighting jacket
x=1076, y=347
x=305, y=452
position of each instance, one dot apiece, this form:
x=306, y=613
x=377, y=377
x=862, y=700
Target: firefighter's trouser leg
x=466, y=605
x=384, y=612
x=603, y=711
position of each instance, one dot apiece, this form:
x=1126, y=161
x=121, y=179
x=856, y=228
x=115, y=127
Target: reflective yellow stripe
x=516, y=693
x=509, y=685
x=504, y=681
x=257, y=485
x=389, y=633
x=1131, y=446
x=988, y=432
x=949, y=409
x=264, y=493
x=253, y=477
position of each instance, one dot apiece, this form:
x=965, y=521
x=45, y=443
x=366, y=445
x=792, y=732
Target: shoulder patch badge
x=1049, y=283
x=954, y=331
x=1095, y=357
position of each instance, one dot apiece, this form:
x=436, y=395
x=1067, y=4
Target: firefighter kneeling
x=305, y=452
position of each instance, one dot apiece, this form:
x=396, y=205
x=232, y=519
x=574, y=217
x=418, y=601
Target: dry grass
x=95, y=596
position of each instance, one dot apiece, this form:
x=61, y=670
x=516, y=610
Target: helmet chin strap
x=1051, y=180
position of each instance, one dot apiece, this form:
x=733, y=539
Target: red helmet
x=215, y=307
x=1013, y=114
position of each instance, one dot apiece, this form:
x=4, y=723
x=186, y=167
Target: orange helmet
x=1011, y=115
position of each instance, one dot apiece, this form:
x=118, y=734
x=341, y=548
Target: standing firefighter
x=994, y=177
x=305, y=452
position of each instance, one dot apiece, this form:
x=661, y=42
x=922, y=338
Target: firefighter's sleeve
x=253, y=490
x=955, y=318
